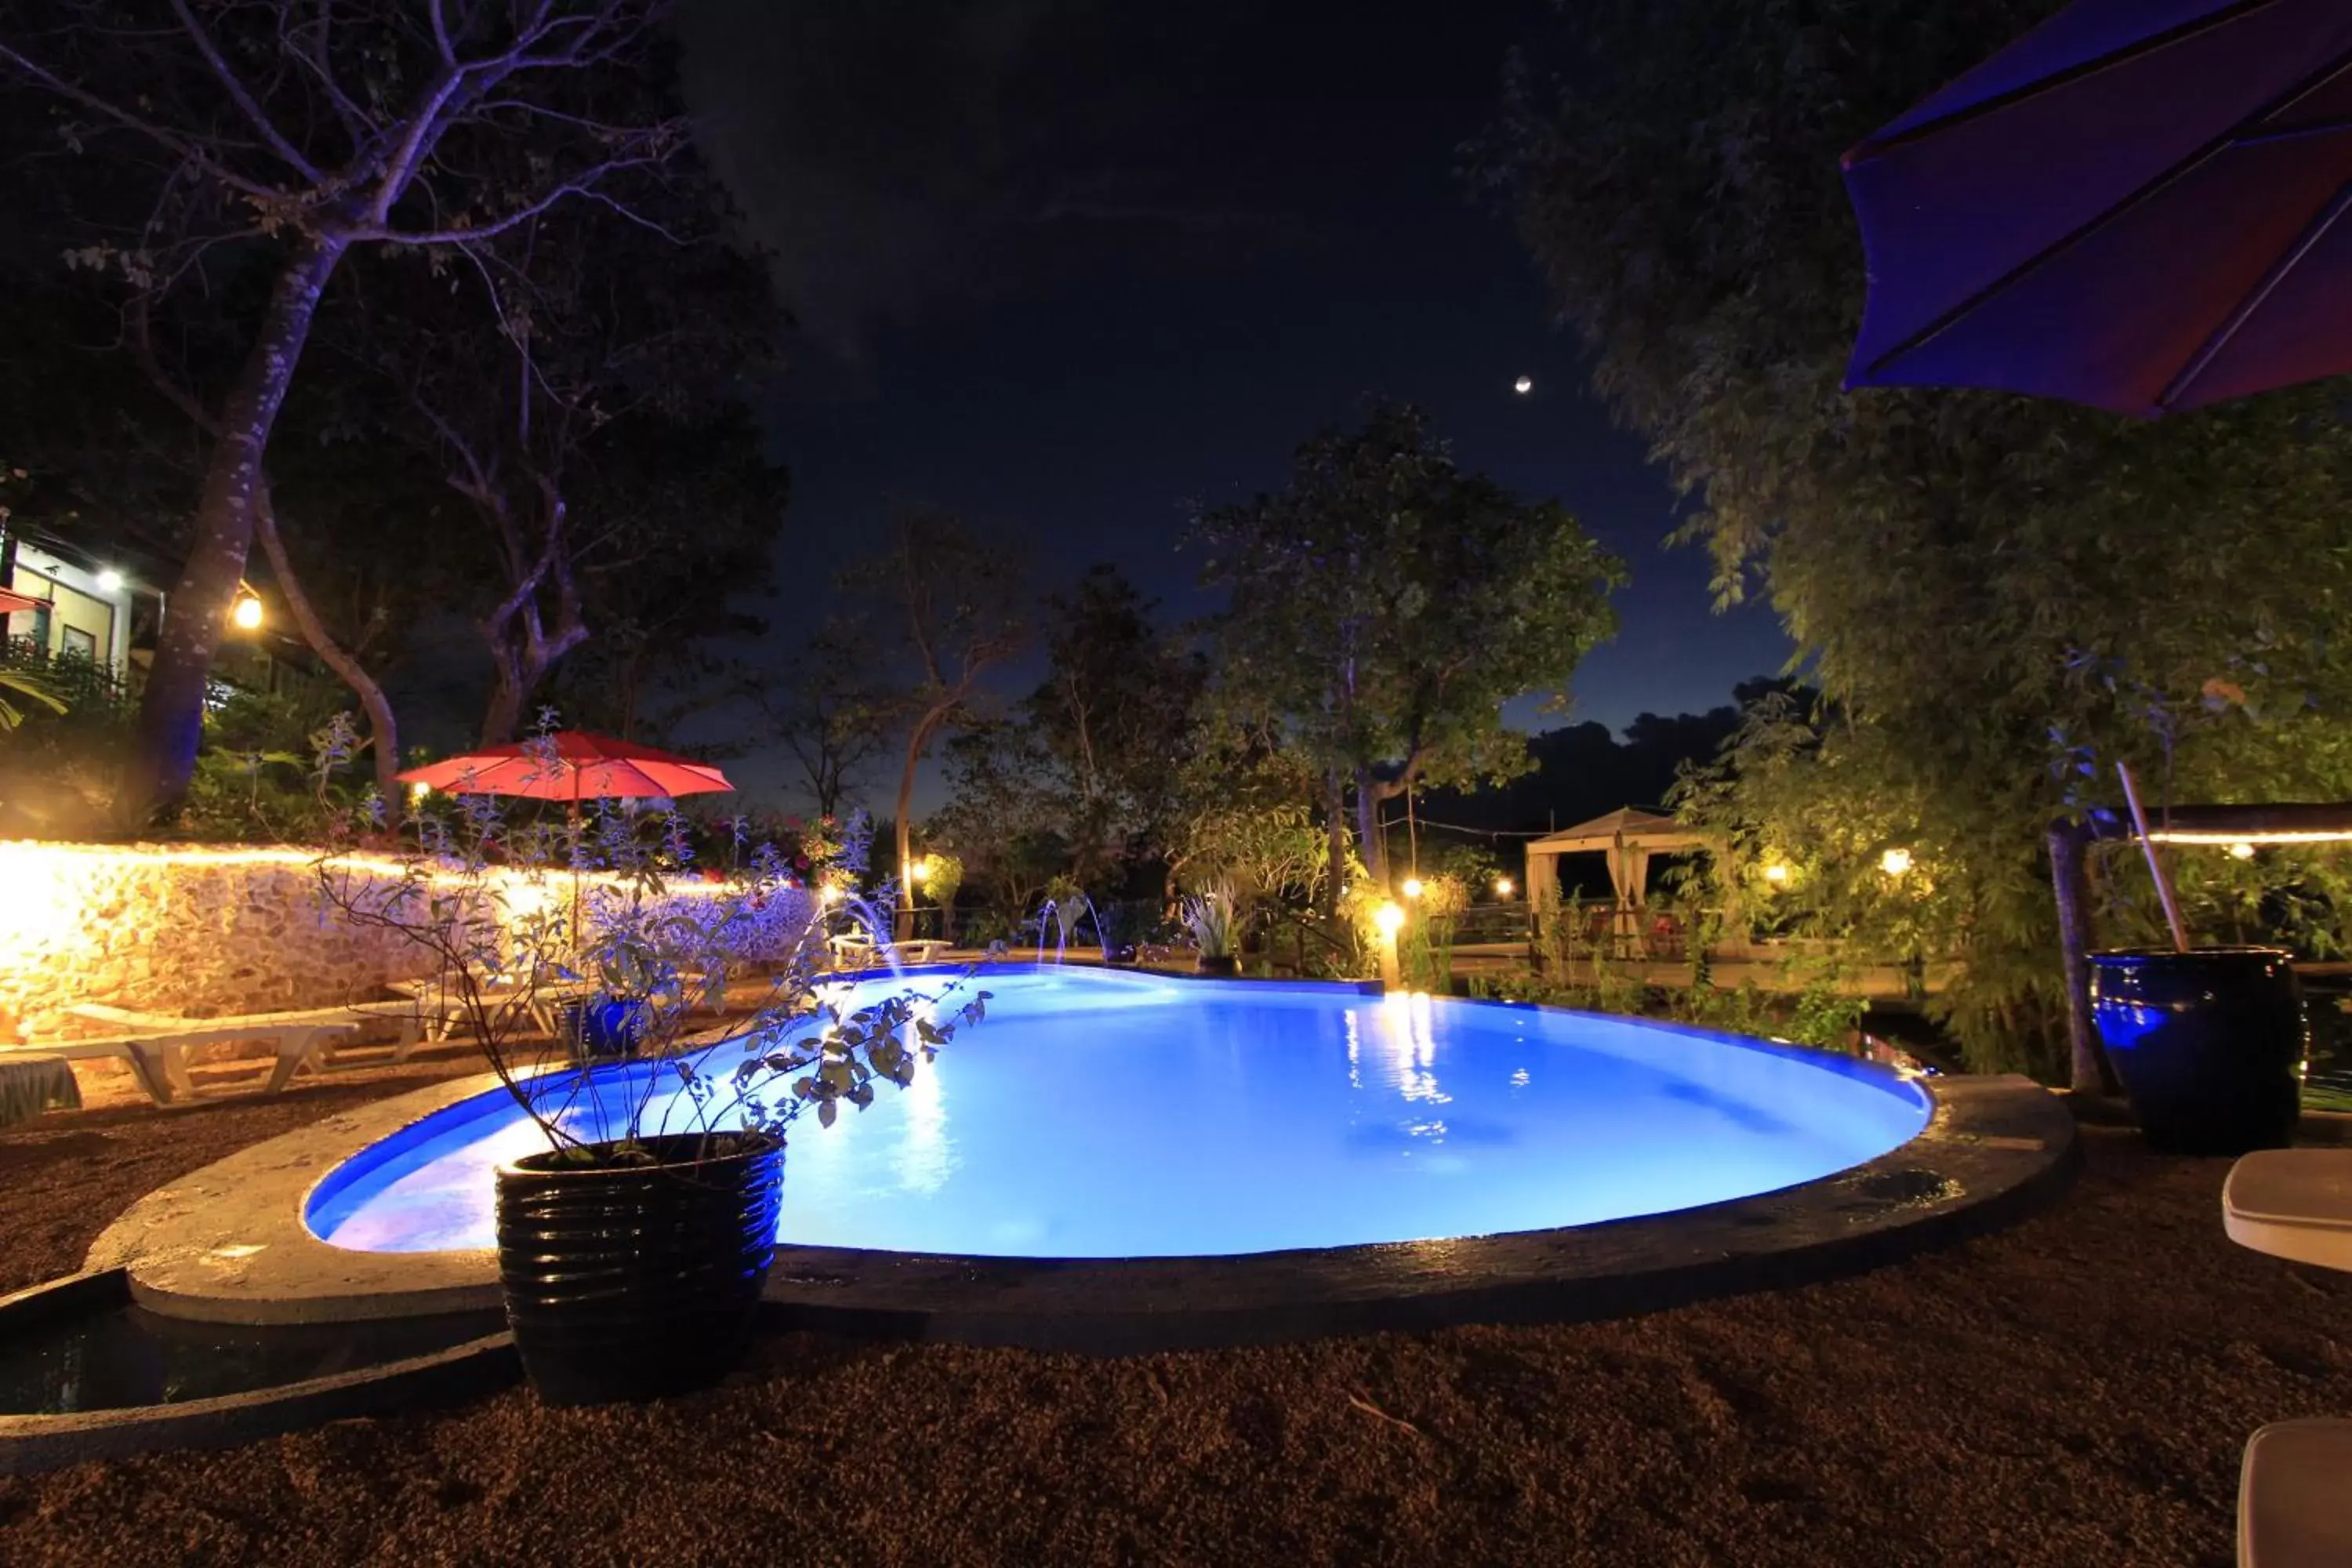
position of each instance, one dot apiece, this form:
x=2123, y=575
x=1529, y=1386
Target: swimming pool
x=1108, y=1114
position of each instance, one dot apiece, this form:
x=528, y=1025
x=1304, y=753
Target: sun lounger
x=2295, y=1203
x=158, y=1053
x=442, y=1008
x=2293, y=1492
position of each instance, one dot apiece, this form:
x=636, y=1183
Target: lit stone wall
x=207, y=931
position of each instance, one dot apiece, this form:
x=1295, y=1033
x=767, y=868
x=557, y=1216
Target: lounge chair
x=156, y=1046
x=2294, y=1496
x=2294, y=1486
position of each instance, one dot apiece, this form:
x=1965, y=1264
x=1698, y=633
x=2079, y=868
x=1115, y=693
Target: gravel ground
x=2074, y=1390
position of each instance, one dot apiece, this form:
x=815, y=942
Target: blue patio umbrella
x=2140, y=204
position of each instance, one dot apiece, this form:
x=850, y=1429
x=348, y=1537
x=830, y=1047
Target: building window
x=75, y=642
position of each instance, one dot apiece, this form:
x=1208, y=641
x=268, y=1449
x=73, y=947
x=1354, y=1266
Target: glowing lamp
x=1524, y=385
x=245, y=614
x=110, y=580
x=832, y=894
x=1411, y=887
x=419, y=790
x=1894, y=862
x=2241, y=850
x=920, y=870
x=1502, y=887
x=1388, y=917
x=1778, y=871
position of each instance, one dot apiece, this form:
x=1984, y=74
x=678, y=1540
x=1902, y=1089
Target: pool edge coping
x=229, y=1243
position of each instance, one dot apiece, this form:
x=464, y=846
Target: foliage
x=1116, y=702
x=1818, y=1015
x=1210, y=915
x=1438, y=596
x=1002, y=818
x=60, y=764
x=498, y=905
x=273, y=771
x=1951, y=564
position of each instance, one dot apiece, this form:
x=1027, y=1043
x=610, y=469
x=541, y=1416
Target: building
x=78, y=606
x=75, y=598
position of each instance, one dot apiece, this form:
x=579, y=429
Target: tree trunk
x=1335, y=823
x=384, y=730
x=503, y=714
x=1368, y=828
x=171, y=708
x=903, y=922
x=2089, y=1072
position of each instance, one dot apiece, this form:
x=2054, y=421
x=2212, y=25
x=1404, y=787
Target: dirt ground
x=2076, y=1390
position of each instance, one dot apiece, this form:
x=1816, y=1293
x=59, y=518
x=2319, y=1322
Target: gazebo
x=1629, y=836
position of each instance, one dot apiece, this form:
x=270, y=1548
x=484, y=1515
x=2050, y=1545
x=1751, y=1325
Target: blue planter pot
x=607, y=1029
x=2210, y=1044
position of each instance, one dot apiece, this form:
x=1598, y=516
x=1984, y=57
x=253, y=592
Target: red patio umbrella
x=572, y=765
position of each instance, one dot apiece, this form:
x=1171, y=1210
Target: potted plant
x=633, y=1248
x=2209, y=1040
x=1209, y=915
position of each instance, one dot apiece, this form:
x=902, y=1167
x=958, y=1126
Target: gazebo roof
x=1628, y=824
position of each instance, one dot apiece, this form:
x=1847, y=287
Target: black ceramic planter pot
x=1221, y=963
x=635, y=1281
x=2209, y=1043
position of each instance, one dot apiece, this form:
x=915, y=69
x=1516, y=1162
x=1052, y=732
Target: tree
x=830, y=714
x=1387, y=603
x=577, y=386
x=1003, y=817
x=949, y=610
x=689, y=515
x=276, y=139
x=1956, y=567
x=1109, y=718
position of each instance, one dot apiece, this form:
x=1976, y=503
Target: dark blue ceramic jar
x=2210, y=1044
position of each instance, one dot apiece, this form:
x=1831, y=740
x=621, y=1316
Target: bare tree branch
x=235, y=89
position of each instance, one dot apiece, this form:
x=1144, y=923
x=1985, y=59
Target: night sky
x=1069, y=271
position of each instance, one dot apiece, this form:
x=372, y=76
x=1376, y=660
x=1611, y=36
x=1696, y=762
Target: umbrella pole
x=2155, y=865
x=573, y=817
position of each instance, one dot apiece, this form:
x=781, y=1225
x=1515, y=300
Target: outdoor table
x=30, y=1085
x=2295, y=1203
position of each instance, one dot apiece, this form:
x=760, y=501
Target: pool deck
x=227, y=1244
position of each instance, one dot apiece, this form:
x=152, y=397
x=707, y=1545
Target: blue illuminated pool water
x=1100, y=1114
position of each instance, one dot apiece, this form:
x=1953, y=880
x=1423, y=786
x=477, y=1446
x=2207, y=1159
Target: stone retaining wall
x=210, y=930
